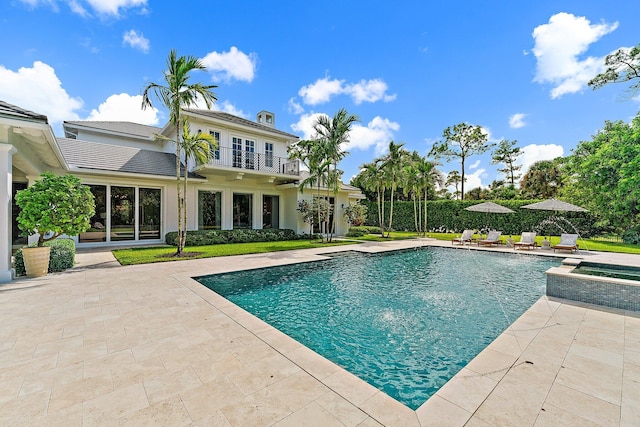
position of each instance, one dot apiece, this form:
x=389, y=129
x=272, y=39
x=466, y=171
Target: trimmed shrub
x=217, y=237
x=357, y=232
x=632, y=236
x=63, y=255
x=451, y=216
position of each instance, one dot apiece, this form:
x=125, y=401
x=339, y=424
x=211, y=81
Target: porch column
x=6, y=153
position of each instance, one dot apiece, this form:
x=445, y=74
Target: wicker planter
x=36, y=260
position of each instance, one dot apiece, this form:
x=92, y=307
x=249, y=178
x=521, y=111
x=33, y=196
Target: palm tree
x=309, y=153
x=333, y=135
x=373, y=180
x=393, y=164
x=197, y=147
x=428, y=177
x=176, y=94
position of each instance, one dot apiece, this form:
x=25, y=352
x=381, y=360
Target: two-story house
x=249, y=181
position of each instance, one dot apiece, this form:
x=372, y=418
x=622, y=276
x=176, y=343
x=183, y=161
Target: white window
x=216, y=136
x=268, y=154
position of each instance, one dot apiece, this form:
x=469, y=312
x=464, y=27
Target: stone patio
x=148, y=345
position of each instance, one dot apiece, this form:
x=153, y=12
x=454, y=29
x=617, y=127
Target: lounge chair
x=493, y=238
x=467, y=237
x=527, y=240
x=568, y=242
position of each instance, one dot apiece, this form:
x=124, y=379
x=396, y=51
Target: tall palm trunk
x=184, y=204
x=424, y=228
x=415, y=212
x=179, y=242
x=391, y=210
x=381, y=209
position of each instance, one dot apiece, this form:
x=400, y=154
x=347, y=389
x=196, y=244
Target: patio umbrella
x=489, y=208
x=554, y=205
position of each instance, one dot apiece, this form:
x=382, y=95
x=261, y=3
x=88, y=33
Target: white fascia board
x=109, y=132
x=242, y=128
x=100, y=172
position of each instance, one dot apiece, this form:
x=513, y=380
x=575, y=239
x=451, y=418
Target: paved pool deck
x=103, y=344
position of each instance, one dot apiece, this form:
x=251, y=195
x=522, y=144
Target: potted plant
x=52, y=206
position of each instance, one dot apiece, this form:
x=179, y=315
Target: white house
x=248, y=183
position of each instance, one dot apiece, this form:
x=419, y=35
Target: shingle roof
x=129, y=128
x=11, y=110
x=108, y=157
x=239, y=120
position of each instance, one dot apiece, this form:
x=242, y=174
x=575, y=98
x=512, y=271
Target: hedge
x=62, y=256
x=451, y=216
x=216, y=237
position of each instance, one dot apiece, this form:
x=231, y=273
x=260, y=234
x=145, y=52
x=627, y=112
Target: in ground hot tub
x=609, y=285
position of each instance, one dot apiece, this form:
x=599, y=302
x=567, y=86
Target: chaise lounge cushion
x=568, y=242
x=493, y=238
x=527, y=240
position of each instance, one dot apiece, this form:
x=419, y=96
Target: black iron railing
x=242, y=159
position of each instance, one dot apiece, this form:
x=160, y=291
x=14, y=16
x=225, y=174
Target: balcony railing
x=242, y=159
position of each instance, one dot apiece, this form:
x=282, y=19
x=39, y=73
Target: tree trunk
x=184, y=205
x=391, y=211
x=415, y=212
x=425, y=216
x=381, y=210
x=462, y=181
x=178, y=189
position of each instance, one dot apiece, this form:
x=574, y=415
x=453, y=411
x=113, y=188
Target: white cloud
x=228, y=107
x=322, y=90
x=475, y=164
x=305, y=125
x=225, y=106
x=113, y=7
x=378, y=132
x=369, y=91
x=517, y=121
x=558, y=45
x=295, y=107
x=235, y=64
x=100, y=7
x=39, y=89
x=474, y=180
x=534, y=152
x=124, y=107
x=135, y=40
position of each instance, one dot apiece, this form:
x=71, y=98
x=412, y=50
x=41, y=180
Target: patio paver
x=104, y=344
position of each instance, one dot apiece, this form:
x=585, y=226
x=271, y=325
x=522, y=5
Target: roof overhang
x=36, y=145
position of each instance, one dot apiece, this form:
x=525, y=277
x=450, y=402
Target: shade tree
x=461, y=141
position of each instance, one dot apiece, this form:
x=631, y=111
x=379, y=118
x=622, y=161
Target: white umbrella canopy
x=489, y=207
x=554, y=205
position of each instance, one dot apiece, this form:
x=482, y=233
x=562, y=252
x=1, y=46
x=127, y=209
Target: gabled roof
x=220, y=115
x=126, y=128
x=107, y=157
x=13, y=111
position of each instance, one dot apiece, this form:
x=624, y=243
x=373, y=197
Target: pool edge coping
x=442, y=402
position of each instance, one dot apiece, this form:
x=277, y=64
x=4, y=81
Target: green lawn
x=160, y=254
x=588, y=244
x=395, y=235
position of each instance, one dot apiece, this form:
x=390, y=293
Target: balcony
x=258, y=163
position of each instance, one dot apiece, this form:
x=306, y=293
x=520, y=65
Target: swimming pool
x=405, y=322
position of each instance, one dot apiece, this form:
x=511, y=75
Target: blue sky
x=408, y=69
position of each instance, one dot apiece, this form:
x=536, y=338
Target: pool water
x=405, y=322
x=606, y=270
